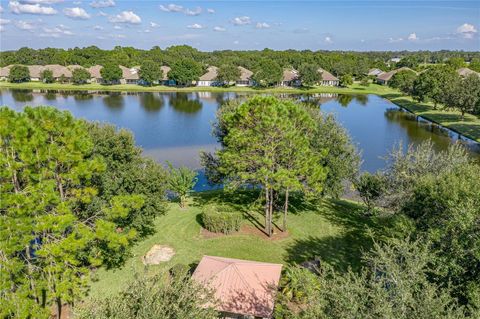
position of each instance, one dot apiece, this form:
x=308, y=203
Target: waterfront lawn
x=333, y=230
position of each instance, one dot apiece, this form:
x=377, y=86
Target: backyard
x=333, y=230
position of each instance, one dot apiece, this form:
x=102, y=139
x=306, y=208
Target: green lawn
x=332, y=230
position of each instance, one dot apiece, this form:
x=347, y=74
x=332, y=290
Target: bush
x=221, y=220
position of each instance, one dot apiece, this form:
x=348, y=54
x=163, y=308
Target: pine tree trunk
x=270, y=215
x=267, y=210
x=59, y=308
x=284, y=227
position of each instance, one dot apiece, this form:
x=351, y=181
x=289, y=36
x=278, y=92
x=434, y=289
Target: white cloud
x=262, y=25
x=171, y=8
x=328, y=40
x=413, y=37
x=25, y=25
x=98, y=28
x=195, y=26
x=219, y=29
x=394, y=40
x=153, y=25
x=76, y=13
x=241, y=20
x=19, y=8
x=2, y=28
x=117, y=27
x=126, y=17
x=102, y=14
x=4, y=21
x=42, y=1
x=193, y=12
x=1, y=9
x=102, y=3
x=467, y=30
x=236, y=42
x=144, y=31
x=210, y=10
x=56, y=32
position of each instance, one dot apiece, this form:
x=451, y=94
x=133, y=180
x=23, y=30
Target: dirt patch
x=246, y=230
x=158, y=254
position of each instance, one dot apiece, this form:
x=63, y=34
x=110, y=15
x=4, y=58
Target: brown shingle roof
x=388, y=75
x=5, y=71
x=240, y=286
x=165, y=70
x=95, y=71
x=290, y=75
x=245, y=74
x=130, y=73
x=211, y=74
x=327, y=76
x=59, y=70
x=466, y=72
x=35, y=70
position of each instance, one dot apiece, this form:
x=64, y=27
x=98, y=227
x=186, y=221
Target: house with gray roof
x=5, y=72
x=328, y=79
x=130, y=75
x=245, y=77
x=387, y=76
x=290, y=78
x=209, y=78
x=95, y=76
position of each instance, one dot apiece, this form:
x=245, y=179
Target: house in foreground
x=290, y=78
x=328, y=79
x=242, y=288
x=209, y=78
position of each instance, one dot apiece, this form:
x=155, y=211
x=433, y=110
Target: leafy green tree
x=403, y=80
x=365, y=81
x=267, y=73
x=181, y=182
x=228, y=73
x=185, y=71
x=268, y=143
x=456, y=63
x=431, y=84
x=309, y=74
x=62, y=79
x=111, y=73
x=47, y=76
x=475, y=65
x=346, y=80
x=19, y=73
x=150, y=72
x=370, y=187
x=463, y=94
x=49, y=246
x=80, y=76
x=164, y=296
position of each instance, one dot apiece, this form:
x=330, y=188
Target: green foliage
x=371, y=188
x=111, y=73
x=456, y=63
x=47, y=76
x=475, y=65
x=430, y=85
x=267, y=73
x=403, y=80
x=309, y=74
x=49, y=246
x=19, y=73
x=228, y=73
x=185, y=71
x=298, y=284
x=158, y=296
x=220, y=220
x=463, y=94
x=365, y=81
x=181, y=181
x=150, y=72
x=80, y=76
x=393, y=284
x=346, y=80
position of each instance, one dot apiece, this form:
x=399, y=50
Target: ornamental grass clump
x=221, y=220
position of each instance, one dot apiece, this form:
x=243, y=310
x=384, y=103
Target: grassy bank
x=470, y=127
x=331, y=230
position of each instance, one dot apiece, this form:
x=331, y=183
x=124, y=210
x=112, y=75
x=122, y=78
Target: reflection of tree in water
x=83, y=96
x=362, y=99
x=22, y=95
x=114, y=100
x=344, y=99
x=180, y=102
x=50, y=95
x=151, y=102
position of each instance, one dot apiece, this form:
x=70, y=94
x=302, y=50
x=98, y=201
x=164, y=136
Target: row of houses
x=384, y=77
x=131, y=75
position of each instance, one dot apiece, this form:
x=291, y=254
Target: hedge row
x=220, y=220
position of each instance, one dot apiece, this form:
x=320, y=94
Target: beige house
x=464, y=72
x=375, y=72
x=165, y=80
x=242, y=288
x=59, y=70
x=245, y=77
x=95, y=76
x=290, y=78
x=5, y=72
x=387, y=76
x=209, y=78
x=35, y=72
x=130, y=75
x=328, y=79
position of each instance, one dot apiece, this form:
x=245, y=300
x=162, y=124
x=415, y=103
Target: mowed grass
x=333, y=230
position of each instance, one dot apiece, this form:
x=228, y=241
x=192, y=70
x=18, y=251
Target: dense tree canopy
x=431, y=84
x=19, y=73
x=185, y=71
x=228, y=73
x=80, y=76
x=111, y=73
x=309, y=74
x=47, y=76
x=150, y=72
x=403, y=80
x=267, y=73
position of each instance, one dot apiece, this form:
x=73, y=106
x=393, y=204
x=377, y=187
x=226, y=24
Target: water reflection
x=82, y=97
x=22, y=95
x=184, y=103
x=362, y=99
x=114, y=101
x=344, y=100
x=151, y=102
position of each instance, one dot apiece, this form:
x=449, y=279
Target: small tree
x=431, y=84
x=364, y=81
x=346, y=80
x=111, y=73
x=403, y=80
x=309, y=74
x=267, y=73
x=181, y=181
x=80, y=76
x=370, y=187
x=47, y=76
x=185, y=71
x=19, y=73
x=464, y=94
x=62, y=78
x=150, y=72
x=228, y=73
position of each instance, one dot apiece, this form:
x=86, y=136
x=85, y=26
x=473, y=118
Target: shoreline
x=468, y=128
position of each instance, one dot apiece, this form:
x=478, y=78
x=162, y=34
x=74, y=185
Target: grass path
x=331, y=230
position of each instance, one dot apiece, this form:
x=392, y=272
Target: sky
x=242, y=25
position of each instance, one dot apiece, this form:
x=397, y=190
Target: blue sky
x=213, y=25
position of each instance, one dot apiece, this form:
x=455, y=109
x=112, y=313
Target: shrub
x=220, y=220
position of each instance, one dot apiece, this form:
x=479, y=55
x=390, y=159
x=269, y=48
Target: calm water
x=176, y=126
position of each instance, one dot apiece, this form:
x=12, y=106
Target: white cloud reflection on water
x=181, y=155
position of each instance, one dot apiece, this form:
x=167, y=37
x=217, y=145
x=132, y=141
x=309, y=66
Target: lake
x=176, y=126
